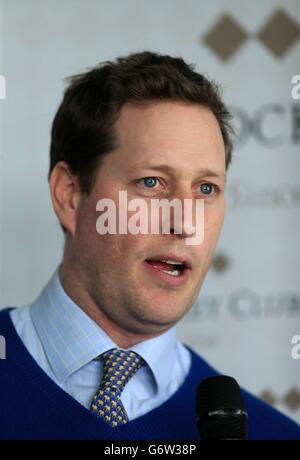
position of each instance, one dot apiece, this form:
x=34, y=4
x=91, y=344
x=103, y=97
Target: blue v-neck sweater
x=32, y=406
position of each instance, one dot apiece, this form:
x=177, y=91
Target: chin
x=166, y=316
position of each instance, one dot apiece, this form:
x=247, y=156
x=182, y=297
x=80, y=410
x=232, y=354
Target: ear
x=65, y=195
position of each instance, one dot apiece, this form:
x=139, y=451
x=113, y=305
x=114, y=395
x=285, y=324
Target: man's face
x=135, y=294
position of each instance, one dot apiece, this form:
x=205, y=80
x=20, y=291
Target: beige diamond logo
x=221, y=263
x=280, y=33
x=292, y=399
x=268, y=396
x=226, y=37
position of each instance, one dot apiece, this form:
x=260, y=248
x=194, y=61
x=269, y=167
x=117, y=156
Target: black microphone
x=220, y=409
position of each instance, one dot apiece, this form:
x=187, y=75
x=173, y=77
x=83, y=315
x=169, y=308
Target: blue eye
x=150, y=182
x=207, y=188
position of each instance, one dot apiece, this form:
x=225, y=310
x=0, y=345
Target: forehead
x=169, y=131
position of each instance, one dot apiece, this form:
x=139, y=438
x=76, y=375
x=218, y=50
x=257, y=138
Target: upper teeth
x=173, y=262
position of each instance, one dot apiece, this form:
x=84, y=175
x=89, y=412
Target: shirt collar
x=160, y=355
x=71, y=339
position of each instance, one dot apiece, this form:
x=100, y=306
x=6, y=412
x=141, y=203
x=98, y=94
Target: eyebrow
x=201, y=172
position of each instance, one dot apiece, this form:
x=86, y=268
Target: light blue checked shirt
x=64, y=341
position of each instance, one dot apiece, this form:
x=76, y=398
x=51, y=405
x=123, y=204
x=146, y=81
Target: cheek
x=90, y=247
x=86, y=224
x=213, y=221
x=214, y=214
x=134, y=247
x=118, y=252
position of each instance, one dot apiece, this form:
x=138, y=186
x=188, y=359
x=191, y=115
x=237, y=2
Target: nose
x=183, y=222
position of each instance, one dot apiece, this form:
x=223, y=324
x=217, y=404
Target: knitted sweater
x=32, y=406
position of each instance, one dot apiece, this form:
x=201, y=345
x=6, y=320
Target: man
x=96, y=356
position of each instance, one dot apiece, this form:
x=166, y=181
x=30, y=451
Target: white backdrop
x=249, y=307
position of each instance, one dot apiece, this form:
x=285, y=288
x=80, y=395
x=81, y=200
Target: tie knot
x=118, y=367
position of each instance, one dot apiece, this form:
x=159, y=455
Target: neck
x=74, y=287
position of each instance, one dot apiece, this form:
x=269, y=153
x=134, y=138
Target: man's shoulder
x=9, y=346
x=3, y=315
x=5, y=310
x=11, y=340
x=265, y=422
x=5, y=318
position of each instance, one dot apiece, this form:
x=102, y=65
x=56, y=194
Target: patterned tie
x=118, y=367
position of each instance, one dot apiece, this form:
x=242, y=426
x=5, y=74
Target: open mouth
x=170, y=267
x=171, y=270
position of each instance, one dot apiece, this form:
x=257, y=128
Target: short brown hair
x=83, y=127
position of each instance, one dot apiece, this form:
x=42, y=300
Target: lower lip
x=169, y=279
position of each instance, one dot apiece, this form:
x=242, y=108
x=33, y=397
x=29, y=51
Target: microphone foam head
x=220, y=409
